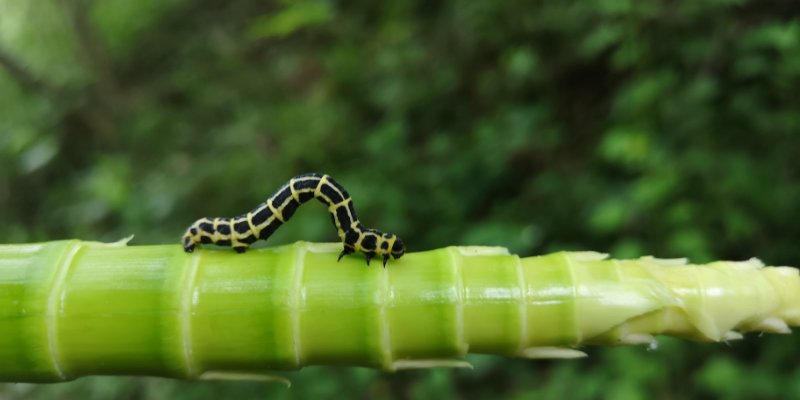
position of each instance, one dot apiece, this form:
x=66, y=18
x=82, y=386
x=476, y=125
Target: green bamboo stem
x=70, y=308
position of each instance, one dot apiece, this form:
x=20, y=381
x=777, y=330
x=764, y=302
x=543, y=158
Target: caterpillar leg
x=385, y=260
x=240, y=249
x=345, y=251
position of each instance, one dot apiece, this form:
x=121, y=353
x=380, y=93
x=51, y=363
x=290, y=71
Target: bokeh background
x=629, y=127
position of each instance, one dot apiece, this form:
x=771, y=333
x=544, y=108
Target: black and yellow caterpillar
x=242, y=230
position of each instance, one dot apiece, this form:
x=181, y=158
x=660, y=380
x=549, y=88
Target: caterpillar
x=243, y=230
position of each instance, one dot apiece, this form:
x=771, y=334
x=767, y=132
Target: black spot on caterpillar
x=242, y=230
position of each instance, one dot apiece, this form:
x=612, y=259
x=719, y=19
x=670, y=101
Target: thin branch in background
x=99, y=121
x=100, y=112
x=95, y=55
x=17, y=70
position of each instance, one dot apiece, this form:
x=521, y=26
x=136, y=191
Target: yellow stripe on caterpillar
x=295, y=196
x=254, y=229
x=276, y=213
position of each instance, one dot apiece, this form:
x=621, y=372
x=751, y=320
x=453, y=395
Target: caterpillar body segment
x=243, y=230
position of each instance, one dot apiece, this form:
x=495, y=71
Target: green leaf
x=291, y=19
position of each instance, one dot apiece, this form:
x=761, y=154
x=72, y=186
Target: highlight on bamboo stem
x=72, y=308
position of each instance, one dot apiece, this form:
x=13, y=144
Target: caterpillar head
x=398, y=248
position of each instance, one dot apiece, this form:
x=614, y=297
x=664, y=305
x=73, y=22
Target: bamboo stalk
x=71, y=308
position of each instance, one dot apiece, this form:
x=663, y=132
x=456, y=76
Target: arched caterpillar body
x=241, y=231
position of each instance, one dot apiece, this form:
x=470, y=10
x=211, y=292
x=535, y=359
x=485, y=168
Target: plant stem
x=71, y=308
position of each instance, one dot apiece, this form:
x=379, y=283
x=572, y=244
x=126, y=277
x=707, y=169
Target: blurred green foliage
x=647, y=127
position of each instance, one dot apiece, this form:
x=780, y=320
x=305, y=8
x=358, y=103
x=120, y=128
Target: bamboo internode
x=71, y=308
